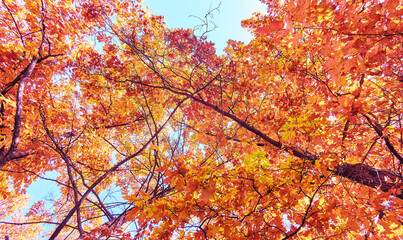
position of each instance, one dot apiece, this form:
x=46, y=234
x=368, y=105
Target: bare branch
x=205, y=27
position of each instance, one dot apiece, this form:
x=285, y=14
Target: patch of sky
x=44, y=189
x=227, y=18
x=287, y=224
x=177, y=14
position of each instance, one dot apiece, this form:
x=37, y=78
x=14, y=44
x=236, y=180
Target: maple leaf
x=297, y=133
x=271, y=27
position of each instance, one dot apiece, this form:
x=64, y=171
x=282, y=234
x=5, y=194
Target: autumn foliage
x=297, y=134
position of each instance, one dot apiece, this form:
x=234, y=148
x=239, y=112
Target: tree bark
x=18, y=114
x=371, y=177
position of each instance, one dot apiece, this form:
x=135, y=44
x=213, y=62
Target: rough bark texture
x=18, y=115
x=371, y=177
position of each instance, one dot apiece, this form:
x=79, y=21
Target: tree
x=296, y=134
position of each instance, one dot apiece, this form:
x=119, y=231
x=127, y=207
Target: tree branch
x=378, y=130
x=113, y=169
x=15, y=23
x=371, y=177
x=18, y=114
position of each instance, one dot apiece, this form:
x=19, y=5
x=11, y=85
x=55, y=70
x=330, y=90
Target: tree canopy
x=297, y=134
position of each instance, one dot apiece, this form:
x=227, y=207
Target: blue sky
x=177, y=15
